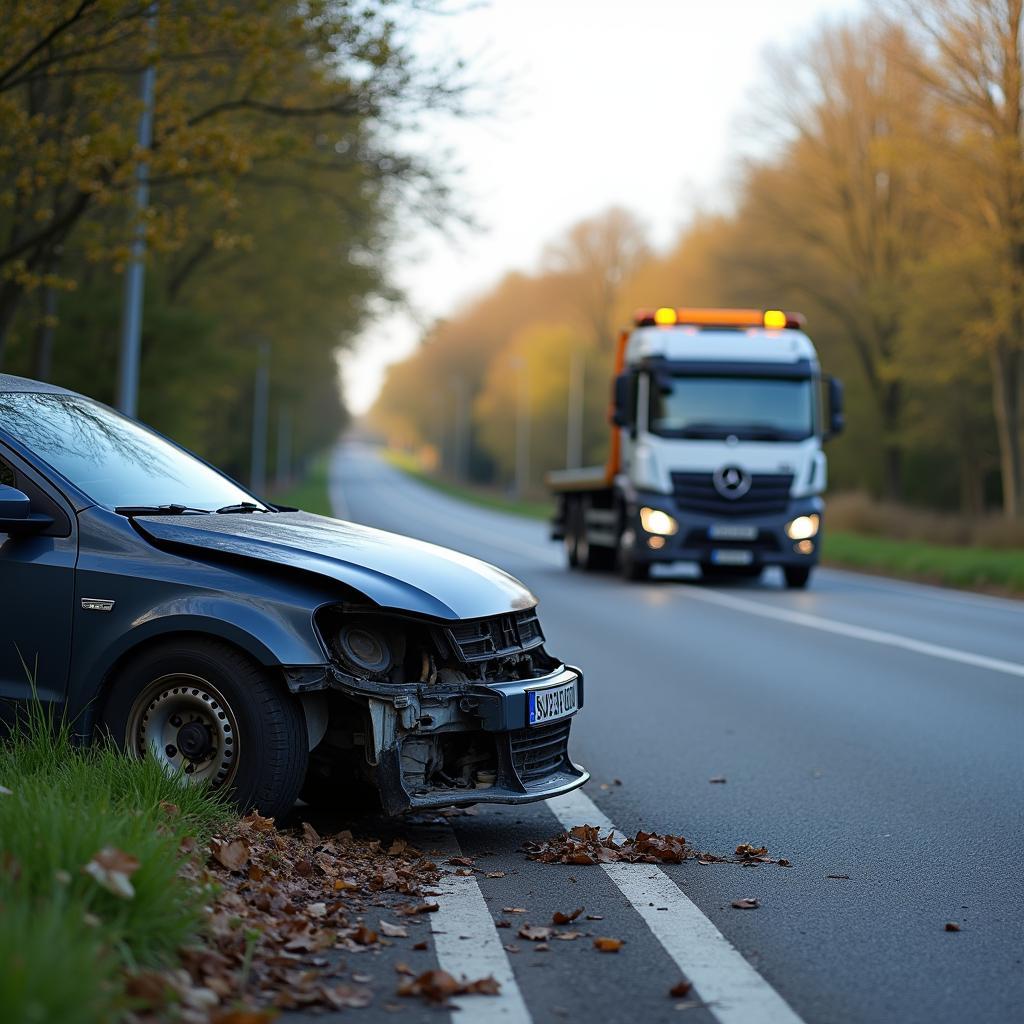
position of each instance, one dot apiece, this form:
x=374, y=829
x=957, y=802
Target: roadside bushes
x=89, y=883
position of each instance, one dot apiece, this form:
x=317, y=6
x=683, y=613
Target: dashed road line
x=733, y=991
x=467, y=943
x=873, y=636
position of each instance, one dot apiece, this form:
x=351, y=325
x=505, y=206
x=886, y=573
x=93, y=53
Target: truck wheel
x=797, y=576
x=594, y=557
x=206, y=710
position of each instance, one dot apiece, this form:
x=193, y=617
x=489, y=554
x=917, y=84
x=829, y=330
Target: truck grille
x=769, y=493
x=503, y=635
x=539, y=751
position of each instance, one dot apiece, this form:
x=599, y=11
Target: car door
x=37, y=586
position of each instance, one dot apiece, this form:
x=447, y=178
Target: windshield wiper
x=159, y=510
x=242, y=506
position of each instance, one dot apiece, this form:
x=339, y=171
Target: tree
x=975, y=66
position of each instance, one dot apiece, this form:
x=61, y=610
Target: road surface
x=866, y=728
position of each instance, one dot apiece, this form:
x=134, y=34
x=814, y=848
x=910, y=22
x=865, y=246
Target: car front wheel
x=207, y=711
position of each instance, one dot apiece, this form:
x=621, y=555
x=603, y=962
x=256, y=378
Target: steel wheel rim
x=186, y=725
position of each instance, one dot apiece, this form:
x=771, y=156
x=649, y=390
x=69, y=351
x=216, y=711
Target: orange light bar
x=665, y=316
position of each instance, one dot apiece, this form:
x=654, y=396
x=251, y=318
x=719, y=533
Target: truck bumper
x=705, y=538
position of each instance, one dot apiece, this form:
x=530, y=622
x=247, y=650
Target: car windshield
x=114, y=460
x=749, y=408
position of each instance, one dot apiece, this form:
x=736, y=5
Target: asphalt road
x=866, y=728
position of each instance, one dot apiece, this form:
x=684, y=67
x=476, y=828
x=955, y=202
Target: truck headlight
x=803, y=527
x=653, y=520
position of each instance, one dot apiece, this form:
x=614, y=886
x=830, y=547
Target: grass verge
x=482, y=496
x=76, y=825
x=971, y=568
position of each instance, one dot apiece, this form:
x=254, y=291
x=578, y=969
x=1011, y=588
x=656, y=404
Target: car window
x=113, y=459
x=7, y=476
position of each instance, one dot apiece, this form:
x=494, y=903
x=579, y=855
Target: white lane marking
x=737, y=994
x=480, y=953
x=873, y=636
x=335, y=492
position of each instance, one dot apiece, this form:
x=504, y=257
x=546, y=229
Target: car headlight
x=653, y=520
x=364, y=648
x=803, y=527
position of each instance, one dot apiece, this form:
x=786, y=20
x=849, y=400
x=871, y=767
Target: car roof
x=24, y=385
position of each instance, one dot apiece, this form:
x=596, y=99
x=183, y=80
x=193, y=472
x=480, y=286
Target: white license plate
x=732, y=531
x=553, y=703
x=731, y=556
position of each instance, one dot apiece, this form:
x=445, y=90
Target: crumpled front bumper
x=531, y=762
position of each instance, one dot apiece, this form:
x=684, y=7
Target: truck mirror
x=622, y=401
x=836, y=419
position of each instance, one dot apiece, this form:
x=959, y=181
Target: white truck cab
x=718, y=427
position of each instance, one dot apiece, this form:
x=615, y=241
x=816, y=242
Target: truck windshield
x=114, y=460
x=749, y=408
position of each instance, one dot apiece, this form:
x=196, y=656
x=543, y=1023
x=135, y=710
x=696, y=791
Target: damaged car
x=265, y=651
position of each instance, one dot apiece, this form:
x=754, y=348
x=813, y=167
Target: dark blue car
x=267, y=651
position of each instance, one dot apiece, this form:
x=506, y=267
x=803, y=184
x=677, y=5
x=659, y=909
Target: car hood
x=392, y=571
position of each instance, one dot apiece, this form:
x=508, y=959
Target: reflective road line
x=467, y=942
x=734, y=991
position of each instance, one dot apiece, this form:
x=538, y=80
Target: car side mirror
x=16, y=512
x=836, y=419
x=622, y=401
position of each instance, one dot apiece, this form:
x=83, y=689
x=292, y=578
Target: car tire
x=797, y=576
x=571, y=538
x=249, y=739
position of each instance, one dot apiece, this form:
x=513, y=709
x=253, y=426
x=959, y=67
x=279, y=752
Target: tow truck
x=719, y=417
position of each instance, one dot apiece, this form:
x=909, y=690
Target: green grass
x=310, y=494
x=967, y=567
x=64, y=939
x=483, y=496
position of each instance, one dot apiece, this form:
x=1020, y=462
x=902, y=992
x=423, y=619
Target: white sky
x=596, y=102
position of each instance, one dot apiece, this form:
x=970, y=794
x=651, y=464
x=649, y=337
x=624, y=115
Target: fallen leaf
x=502, y=924
x=535, y=933
x=559, y=918
x=595, y=917
x=567, y=936
x=495, y=874
x=112, y=869
x=718, y=779
x=749, y=850
x=421, y=945
x=309, y=833
x=405, y=969
x=398, y=846
x=542, y=947
x=233, y=855
x=745, y=904
x=418, y=908
x=952, y=926
x=347, y=996
x=680, y=990
x=317, y=909
x=364, y=936
x=438, y=986
x=783, y=863
x=461, y=862
x=513, y=910
x=606, y=945
x=394, y=931
x=171, y=810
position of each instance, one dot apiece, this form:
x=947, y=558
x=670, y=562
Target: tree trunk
x=892, y=415
x=10, y=296
x=1007, y=381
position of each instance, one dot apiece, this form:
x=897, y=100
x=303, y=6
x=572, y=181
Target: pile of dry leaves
x=583, y=844
x=278, y=903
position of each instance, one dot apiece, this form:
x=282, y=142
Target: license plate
x=731, y=556
x=732, y=531
x=553, y=703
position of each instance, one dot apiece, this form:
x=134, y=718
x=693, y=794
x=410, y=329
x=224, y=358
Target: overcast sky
x=600, y=102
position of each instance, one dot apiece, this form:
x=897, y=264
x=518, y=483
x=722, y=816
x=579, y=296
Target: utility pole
x=135, y=274
x=574, y=414
x=523, y=430
x=260, y=403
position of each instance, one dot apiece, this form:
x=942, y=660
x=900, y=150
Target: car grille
x=503, y=635
x=539, y=751
x=769, y=493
